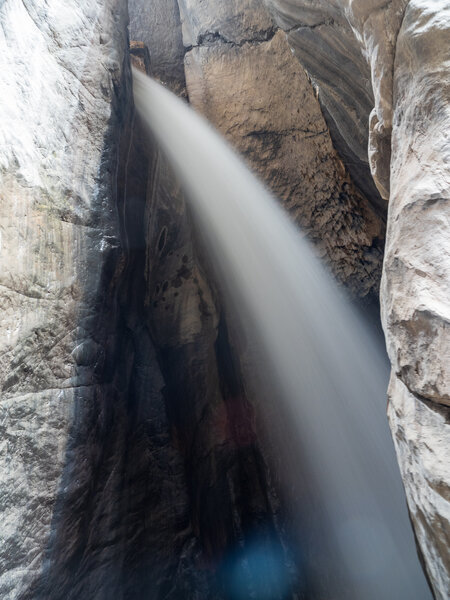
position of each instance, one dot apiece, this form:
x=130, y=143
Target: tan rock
x=283, y=136
x=421, y=432
x=416, y=277
x=233, y=22
x=406, y=46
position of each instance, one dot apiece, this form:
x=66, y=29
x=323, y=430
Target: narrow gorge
x=145, y=450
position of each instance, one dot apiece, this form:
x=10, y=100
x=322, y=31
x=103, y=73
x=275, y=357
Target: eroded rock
x=259, y=97
x=61, y=72
x=416, y=277
x=421, y=431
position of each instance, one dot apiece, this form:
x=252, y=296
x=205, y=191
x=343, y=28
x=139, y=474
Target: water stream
x=328, y=368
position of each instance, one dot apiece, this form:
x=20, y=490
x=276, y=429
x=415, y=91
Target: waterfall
x=329, y=371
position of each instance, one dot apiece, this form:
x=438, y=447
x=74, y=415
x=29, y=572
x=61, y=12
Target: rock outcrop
x=240, y=73
x=157, y=25
x=406, y=47
x=323, y=40
x=416, y=278
x=227, y=504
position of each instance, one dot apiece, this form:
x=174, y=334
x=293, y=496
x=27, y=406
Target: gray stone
x=157, y=24
x=406, y=48
x=61, y=68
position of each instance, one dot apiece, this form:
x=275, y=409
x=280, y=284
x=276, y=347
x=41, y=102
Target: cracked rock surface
x=130, y=459
x=416, y=277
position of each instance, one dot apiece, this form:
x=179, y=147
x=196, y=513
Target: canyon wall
x=209, y=410
x=131, y=460
x=406, y=47
x=62, y=76
x=227, y=503
x=130, y=463
x=416, y=278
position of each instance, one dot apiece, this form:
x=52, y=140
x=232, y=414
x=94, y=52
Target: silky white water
x=331, y=376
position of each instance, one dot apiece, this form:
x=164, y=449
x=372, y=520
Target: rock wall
x=240, y=73
x=131, y=462
x=416, y=278
x=322, y=39
x=62, y=69
x=224, y=502
x=157, y=24
x=235, y=58
x=129, y=459
x=406, y=47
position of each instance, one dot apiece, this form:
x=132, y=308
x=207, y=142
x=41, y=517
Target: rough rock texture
x=234, y=22
x=416, y=282
x=131, y=465
x=406, y=47
x=129, y=459
x=227, y=504
x=324, y=42
x=157, y=24
x=61, y=68
x=247, y=83
x=326, y=25
x=421, y=432
x=416, y=278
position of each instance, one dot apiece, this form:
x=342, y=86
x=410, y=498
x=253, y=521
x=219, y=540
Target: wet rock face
x=131, y=467
x=230, y=505
x=404, y=44
x=225, y=503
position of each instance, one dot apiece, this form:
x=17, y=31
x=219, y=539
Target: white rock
x=421, y=435
x=57, y=92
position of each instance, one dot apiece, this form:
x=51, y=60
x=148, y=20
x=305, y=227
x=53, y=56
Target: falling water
x=330, y=374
